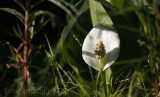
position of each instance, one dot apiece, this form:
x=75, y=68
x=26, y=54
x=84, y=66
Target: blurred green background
x=56, y=65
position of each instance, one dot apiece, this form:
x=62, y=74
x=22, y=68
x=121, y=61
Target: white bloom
x=109, y=1
x=106, y=36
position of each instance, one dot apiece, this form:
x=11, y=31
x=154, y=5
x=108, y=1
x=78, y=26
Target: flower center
x=99, y=49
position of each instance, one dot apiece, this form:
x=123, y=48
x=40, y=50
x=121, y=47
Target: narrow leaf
x=37, y=13
x=68, y=8
x=20, y=4
x=17, y=34
x=108, y=5
x=20, y=30
x=19, y=15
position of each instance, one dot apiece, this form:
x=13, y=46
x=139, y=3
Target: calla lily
x=101, y=43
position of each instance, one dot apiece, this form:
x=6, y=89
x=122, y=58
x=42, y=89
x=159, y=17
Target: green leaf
x=108, y=73
x=68, y=43
x=40, y=26
x=20, y=30
x=38, y=13
x=108, y=5
x=37, y=3
x=73, y=58
x=68, y=8
x=19, y=15
x=98, y=14
x=120, y=4
x=18, y=34
x=20, y=4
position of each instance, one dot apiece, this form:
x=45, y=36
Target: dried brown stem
x=25, y=68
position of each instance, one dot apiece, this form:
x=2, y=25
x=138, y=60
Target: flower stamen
x=99, y=49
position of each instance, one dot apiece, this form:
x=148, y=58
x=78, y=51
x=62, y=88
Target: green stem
x=103, y=78
x=97, y=80
x=108, y=73
x=108, y=90
x=101, y=64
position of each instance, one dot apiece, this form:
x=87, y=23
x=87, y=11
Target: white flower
x=109, y=1
x=108, y=40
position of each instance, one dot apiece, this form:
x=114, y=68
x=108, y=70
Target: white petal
x=111, y=43
x=109, y=1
